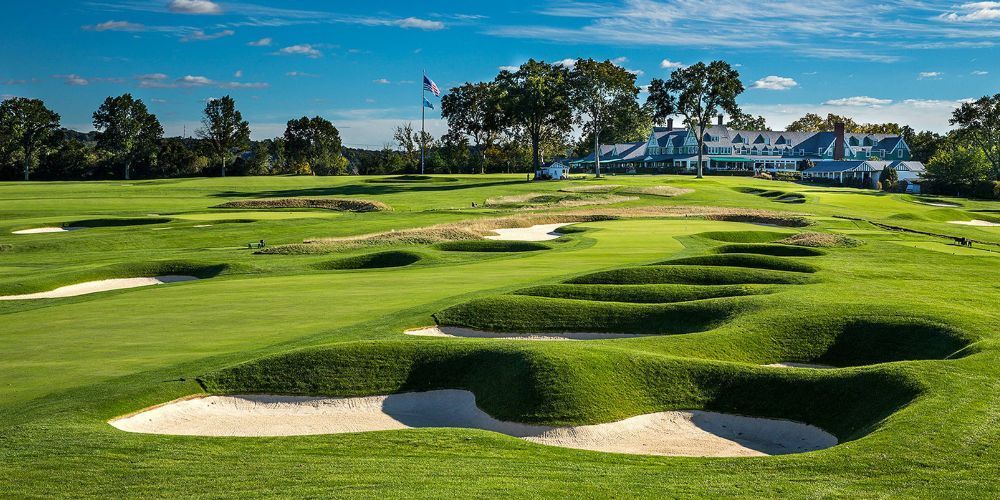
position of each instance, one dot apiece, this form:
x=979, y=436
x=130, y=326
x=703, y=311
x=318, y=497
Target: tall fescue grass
x=339, y=204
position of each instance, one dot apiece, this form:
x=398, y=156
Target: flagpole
x=423, y=114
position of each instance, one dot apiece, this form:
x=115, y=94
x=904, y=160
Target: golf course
x=470, y=336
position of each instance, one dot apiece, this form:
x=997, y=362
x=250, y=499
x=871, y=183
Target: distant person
x=261, y=244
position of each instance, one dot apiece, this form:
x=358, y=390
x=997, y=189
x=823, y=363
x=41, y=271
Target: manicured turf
x=910, y=319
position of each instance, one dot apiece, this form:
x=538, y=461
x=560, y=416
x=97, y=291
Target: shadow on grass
x=368, y=189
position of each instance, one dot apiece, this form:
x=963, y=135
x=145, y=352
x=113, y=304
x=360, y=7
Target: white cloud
x=301, y=50
x=423, y=24
x=201, y=36
x=116, y=26
x=195, y=81
x=980, y=73
x=620, y=60
x=636, y=72
x=668, y=64
x=925, y=75
x=299, y=74
x=194, y=7
x=73, y=79
x=263, y=42
x=238, y=74
x=381, y=81
x=859, y=101
x=568, y=63
x=162, y=81
x=508, y=68
x=975, y=11
x=775, y=83
x=921, y=114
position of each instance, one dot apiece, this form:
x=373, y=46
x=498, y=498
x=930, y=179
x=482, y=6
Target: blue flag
x=427, y=104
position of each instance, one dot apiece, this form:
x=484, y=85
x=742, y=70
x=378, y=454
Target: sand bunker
x=543, y=232
x=99, y=286
x=975, y=222
x=44, y=230
x=457, y=332
x=801, y=365
x=677, y=433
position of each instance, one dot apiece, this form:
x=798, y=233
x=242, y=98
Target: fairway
x=711, y=338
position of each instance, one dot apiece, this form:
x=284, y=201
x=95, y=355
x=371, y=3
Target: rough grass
x=642, y=294
x=743, y=236
x=491, y=246
x=690, y=275
x=745, y=260
x=535, y=201
x=667, y=191
x=768, y=249
x=599, y=188
x=528, y=314
x=338, y=204
x=820, y=240
x=378, y=260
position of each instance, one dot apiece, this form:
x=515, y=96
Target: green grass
x=377, y=260
x=748, y=260
x=911, y=322
x=491, y=246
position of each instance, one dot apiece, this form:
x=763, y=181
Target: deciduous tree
x=979, y=123
x=474, y=110
x=600, y=92
x=224, y=128
x=127, y=129
x=315, y=141
x=26, y=126
x=535, y=98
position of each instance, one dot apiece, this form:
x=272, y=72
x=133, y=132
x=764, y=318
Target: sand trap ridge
x=457, y=332
x=98, y=286
x=542, y=232
x=975, y=222
x=44, y=230
x=677, y=433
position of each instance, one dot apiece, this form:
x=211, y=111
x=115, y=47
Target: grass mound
x=641, y=294
x=528, y=314
x=599, y=188
x=774, y=194
x=667, y=191
x=377, y=260
x=596, y=385
x=820, y=240
x=743, y=236
x=690, y=275
x=745, y=260
x=532, y=201
x=140, y=221
x=43, y=283
x=883, y=340
x=768, y=249
x=338, y=204
x=491, y=246
x=4, y=247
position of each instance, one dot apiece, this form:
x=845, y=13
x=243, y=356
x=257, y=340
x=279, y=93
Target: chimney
x=720, y=119
x=838, y=145
x=670, y=123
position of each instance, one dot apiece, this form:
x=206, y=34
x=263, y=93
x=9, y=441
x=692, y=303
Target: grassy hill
x=909, y=320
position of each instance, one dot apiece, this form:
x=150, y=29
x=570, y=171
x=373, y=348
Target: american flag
x=431, y=86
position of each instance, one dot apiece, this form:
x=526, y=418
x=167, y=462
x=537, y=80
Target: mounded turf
x=748, y=260
x=913, y=330
x=491, y=246
x=377, y=260
x=144, y=221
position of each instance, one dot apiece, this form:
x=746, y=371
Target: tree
x=455, y=150
x=535, y=98
x=598, y=92
x=814, y=123
x=923, y=145
x=127, y=129
x=27, y=126
x=979, y=123
x=698, y=92
x=743, y=121
x=957, y=169
x=407, y=141
x=317, y=142
x=888, y=178
x=474, y=109
x=224, y=128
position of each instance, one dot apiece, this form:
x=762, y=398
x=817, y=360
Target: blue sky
x=359, y=63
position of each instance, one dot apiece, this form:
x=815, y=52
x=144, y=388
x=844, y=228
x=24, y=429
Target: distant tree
x=408, y=145
x=176, y=159
x=811, y=122
x=224, y=128
x=127, y=129
x=598, y=92
x=72, y=160
x=317, y=142
x=957, y=169
x=535, y=99
x=979, y=123
x=26, y=127
x=744, y=121
x=698, y=93
x=455, y=150
x=474, y=109
x=888, y=178
x=923, y=144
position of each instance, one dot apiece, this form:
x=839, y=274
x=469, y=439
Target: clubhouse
x=670, y=149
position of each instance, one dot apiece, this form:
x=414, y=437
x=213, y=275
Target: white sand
x=44, y=230
x=98, y=286
x=456, y=332
x=678, y=433
x=975, y=222
x=203, y=225
x=542, y=232
x=802, y=365
x=947, y=205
